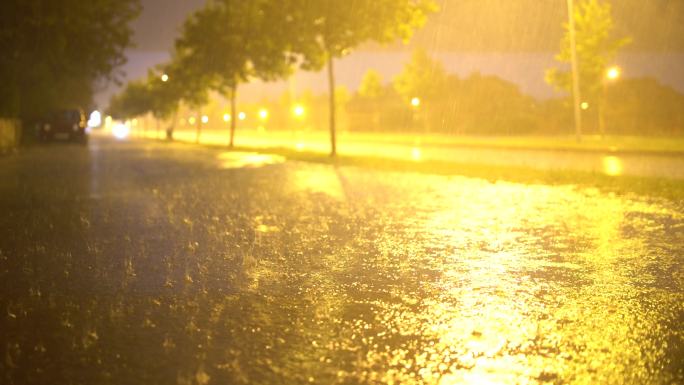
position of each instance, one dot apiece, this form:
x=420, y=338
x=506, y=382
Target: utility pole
x=575, y=71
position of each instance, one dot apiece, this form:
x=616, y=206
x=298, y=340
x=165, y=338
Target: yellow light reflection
x=612, y=165
x=416, y=154
x=320, y=179
x=613, y=73
x=192, y=120
x=298, y=111
x=502, y=307
x=415, y=102
x=263, y=114
x=231, y=159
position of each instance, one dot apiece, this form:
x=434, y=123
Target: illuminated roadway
x=152, y=263
x=645, y=164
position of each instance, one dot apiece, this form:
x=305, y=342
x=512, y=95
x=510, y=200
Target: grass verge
x=672, y=189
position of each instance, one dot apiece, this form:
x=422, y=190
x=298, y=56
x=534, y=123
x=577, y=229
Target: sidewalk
x=643, y=157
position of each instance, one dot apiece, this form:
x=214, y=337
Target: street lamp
x=415, y=103
x=575, y=71
x=263, y=114
x=612, y=74
x=298, y=111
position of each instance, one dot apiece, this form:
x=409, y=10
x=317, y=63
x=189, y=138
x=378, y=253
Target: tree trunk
x=172, y=127
x=575, y=71
x=601, y=119
x=331, y=83
x=233, y=115
x=199, y=127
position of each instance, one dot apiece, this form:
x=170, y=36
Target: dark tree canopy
x=54, y=53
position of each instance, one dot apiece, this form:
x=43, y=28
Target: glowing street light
x=205, y=119
x=613, y=73
x=263, y=114
x=415, y=103
x=298, y=111
x=584, y=106
x=242, y=116
x=165, y=78
x=226, y=118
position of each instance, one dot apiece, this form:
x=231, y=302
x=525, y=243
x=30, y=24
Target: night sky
x=515, y=40
x=474, y=25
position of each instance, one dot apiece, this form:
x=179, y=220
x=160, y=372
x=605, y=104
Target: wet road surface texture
x=143, y=263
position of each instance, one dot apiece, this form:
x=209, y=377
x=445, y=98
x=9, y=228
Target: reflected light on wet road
x=416, y=154
x=481, y=283
x=232, y=159
x=308, y=273
x=612, y=165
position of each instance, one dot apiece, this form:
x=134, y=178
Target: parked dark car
x=64, y=125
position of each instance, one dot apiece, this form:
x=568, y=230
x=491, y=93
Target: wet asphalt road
x=143, y=263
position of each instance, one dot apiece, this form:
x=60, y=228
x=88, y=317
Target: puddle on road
x=316, y=274
x=233, y=159
x=501, y=283
x=612, y=165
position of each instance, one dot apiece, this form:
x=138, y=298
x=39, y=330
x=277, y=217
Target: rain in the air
x=433, y=192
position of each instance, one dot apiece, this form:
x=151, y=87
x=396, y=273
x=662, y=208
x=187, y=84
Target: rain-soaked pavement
x=142, y=263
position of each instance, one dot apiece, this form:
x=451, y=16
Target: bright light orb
x=192, y=120
x=226, y=117
x=415, y=102
x=584, y=106
x=165, y=78
x=95, y=119
x=242, y=116
x=298, y=111
x=120, y=131
x=416, y=154
x=612, y=165
x=263, y=114
x=613, y=73
x=205, y=119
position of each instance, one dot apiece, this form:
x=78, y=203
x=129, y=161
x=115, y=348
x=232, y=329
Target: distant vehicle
x=64, y=125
